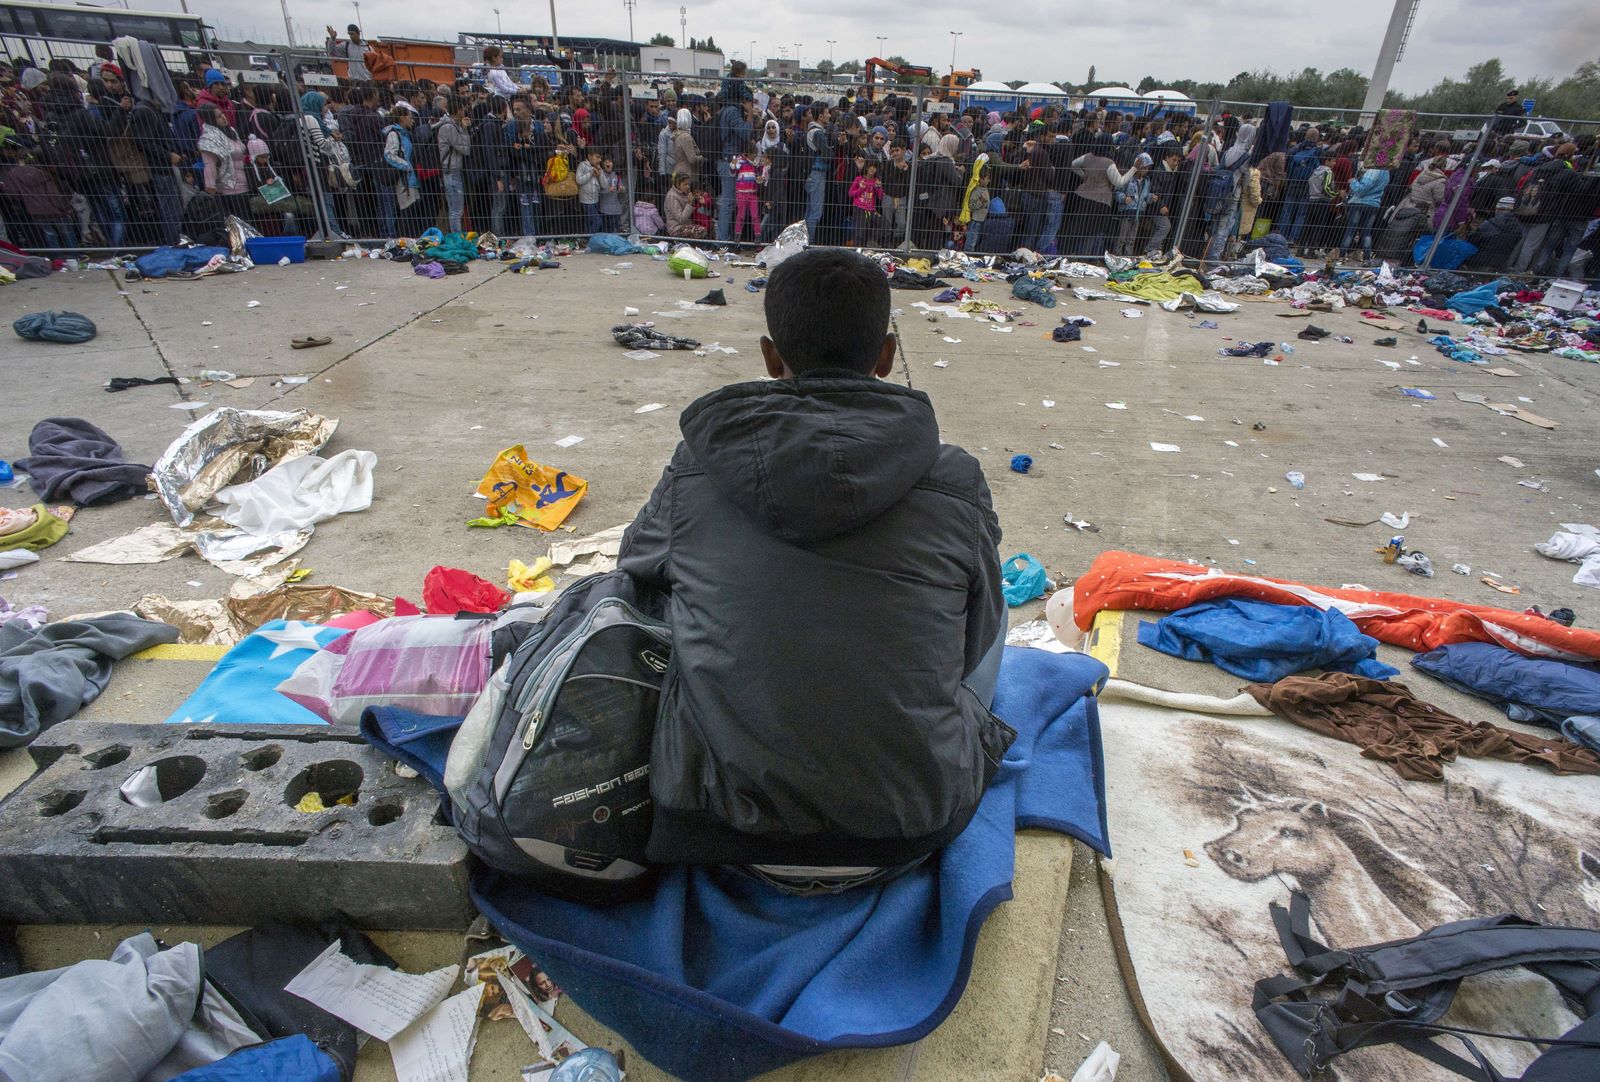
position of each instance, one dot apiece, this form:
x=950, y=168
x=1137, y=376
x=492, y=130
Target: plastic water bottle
x=1295, y=478
x=589, y=1065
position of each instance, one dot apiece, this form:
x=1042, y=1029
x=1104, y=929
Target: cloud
x=1022, y=39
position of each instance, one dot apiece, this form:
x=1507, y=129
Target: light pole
x=498, y=29
x=798, y=65
x=831, y=44
x=881, y=40
x=683, y=26
x=955, y=37
x=630, y=5
x=753, y=58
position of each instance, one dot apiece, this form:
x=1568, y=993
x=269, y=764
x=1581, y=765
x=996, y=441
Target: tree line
x=1484, y=87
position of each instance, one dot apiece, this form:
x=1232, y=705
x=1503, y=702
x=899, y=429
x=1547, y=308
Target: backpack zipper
x=537, y=689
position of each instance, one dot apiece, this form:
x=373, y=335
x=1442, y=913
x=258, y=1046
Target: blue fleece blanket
x=1263, y=642
x=716, y=977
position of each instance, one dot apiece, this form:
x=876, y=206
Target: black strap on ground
x=1396, y=992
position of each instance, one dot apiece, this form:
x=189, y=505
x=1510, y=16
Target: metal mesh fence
x=899, y=166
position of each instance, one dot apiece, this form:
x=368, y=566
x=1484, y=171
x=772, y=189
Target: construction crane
x=945, y=88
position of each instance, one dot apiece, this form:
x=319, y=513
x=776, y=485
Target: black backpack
x=203, y=220
x=549, y=775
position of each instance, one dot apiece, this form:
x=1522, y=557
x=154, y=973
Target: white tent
x=1170, y=97
x=1113, y=93
x=1040, y=90
x=988, y=86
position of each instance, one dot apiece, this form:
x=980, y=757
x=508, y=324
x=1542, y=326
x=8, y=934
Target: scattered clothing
x=69, y=328
x=177, y=261
x=1265, y=642
x=30, y=616
x=448, y=590
x=716, y=975
x=144, y=1013
x=33, y=528
x=123, y=383
x=1390, y=724
x=1126, y=580
x=300, y=493
x=71, y=459
x=49, y=674
x=645, y=336
x=290, y=1059
x=1540, y=691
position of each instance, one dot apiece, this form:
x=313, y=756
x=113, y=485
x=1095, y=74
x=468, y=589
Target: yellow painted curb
x=180, y=651
x=1105, y=638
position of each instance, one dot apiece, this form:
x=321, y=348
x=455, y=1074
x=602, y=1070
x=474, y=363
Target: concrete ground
x=437, y=377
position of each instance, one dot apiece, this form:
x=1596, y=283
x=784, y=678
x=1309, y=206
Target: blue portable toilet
x=990, y=96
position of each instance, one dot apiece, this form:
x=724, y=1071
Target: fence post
x=628, y=145
x=911, y=181
x=308, y=154
x=1194, y=178
x=1450, y=212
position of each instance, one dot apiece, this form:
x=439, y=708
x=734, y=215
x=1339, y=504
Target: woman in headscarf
x=685, y=151
x=325, y=148
x=937, y=198
x=580, y=125
x=223, y=154
x=1226, y=212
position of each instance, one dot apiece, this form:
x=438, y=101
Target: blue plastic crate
x=272, y=249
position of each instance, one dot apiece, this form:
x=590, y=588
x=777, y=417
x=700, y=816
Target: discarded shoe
x=311, y=341
x=715, y=298
x=1422, y=326
x=1390, y=341
x=1312, y=332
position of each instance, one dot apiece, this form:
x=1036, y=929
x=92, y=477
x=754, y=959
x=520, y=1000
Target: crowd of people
x=90, y=161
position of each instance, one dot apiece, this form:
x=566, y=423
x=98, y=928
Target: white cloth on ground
x=300, y=493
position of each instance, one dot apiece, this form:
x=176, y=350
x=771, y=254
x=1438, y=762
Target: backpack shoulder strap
x=1396, y=992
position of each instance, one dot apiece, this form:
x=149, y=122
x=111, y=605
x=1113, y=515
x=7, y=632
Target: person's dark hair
x=828, y=308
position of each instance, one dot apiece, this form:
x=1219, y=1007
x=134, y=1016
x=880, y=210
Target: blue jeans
x=591, y=218
x=1053, y=204
x=455, y=198
x=1223, y=227
x=975, y=236
x=528, y=213
x=986, y=677
x=111, y=213
x=1294, y=211
x=388, y=209
x=169, y=204
x=331, y=219
x=57, y=234
x=816, y=188
x=725, y=199
x=1358, y=227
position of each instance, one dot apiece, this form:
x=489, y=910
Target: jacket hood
x=813, y=457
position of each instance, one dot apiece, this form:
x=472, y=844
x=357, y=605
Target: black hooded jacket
x=834, y=575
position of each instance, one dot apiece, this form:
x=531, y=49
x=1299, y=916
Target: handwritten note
x=374, y=999
x=438, y=1046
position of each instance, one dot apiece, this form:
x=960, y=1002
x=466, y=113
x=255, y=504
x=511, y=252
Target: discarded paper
x=376, y=1000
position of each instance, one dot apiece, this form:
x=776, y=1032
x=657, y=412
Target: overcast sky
x=1213, y=40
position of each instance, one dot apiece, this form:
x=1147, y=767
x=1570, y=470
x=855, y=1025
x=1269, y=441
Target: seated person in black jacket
x=835, y=606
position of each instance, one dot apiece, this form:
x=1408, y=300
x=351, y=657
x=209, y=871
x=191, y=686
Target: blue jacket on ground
x=1263, y=642
x=1529, y=689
